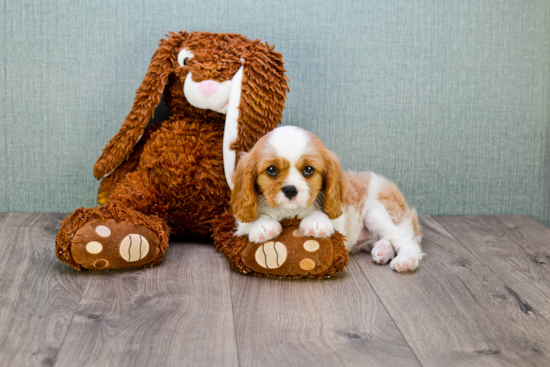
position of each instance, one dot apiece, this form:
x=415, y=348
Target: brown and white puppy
x=289, y=173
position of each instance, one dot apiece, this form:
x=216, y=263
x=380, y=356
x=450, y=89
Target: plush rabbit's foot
x=111, y=237
x=293, y=255
x=107, y=244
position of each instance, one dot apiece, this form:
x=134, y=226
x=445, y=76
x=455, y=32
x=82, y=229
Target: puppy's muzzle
x=290, y=191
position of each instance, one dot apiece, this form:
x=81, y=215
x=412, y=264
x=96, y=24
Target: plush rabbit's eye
x=272, y=171
x=183, y=56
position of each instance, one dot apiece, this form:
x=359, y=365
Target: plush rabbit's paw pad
x=265, y=230
x=382, y=252
x=403, y=263
x=107, y=244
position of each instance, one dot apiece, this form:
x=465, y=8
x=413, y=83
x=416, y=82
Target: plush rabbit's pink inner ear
x=231, y=129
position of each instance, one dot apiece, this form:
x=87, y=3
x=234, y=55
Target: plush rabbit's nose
x=208, y=87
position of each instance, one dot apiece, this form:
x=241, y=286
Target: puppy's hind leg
x=392, y=221
x=407, y=244
x=382, y=252
x=408, y=257
x=398, y=240
x=380, y=249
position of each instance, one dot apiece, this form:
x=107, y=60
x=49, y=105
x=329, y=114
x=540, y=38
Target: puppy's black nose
x=290, y=191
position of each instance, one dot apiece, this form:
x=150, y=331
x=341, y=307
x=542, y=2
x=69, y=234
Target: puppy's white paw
x=264, y=230
x=317, y=225
x=403, y=263
x=382, y=252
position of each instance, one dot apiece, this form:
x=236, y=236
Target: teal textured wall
x=448, y=98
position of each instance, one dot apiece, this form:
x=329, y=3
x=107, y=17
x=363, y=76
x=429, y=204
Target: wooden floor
x=480, y=298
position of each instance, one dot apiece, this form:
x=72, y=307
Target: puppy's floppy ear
x=243, y=197
x=147, y=98
x=261, y=100
x=335, y=185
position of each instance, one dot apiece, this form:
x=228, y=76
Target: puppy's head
x=292, y=169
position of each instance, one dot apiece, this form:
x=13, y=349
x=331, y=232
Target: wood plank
x=3, y=215
x=329, y=322
x=455, y=311
x=515, y=248
x=175, y=314
x=531, y=235
x=38, y=294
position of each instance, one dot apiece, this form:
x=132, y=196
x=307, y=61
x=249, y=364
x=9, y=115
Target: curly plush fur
x=232, y=247
x=172, y=174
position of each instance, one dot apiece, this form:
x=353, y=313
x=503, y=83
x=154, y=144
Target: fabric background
x=450, y=99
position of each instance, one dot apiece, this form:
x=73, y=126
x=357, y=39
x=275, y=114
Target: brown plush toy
x=291, y=255
x=224, y=92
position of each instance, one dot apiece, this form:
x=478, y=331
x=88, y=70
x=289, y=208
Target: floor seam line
x=388, y=311
x=233, y=314
x=70, y=323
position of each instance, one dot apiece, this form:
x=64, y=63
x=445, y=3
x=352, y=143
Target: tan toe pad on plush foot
x=106, y=244
x=290, y=255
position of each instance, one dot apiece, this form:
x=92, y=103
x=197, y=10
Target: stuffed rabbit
x=224, y=92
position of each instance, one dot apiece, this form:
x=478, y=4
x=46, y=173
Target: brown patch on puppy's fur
x=251, y=176
x=315, y=181
x=243, y=196
x=334, y=179
x=335, y=186
x=392, y=199
x=416, y=225
x=358, y=189
x=271, y=186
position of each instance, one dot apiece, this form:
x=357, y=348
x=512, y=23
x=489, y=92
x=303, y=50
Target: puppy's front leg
x=316, y=224
x=262, y=229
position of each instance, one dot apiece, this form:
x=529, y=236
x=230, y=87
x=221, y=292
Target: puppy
x=289, y=173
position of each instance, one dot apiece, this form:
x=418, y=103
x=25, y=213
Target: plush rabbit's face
x=205, y=91
x=208, y=72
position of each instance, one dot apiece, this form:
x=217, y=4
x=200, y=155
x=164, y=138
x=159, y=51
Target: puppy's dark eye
x=308, y=171
x=272, y=171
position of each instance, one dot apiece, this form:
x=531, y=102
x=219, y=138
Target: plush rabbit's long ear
x=147, y=98
x=256, y=102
